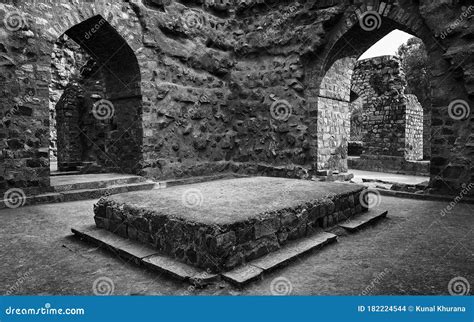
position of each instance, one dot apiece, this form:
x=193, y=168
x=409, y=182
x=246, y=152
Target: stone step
x=362, y=220
x=144, y=255
x=63, y=173
x=99, y=184
x=249, y=272
x=82, y=194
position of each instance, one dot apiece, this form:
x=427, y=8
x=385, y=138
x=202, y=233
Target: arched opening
x=95, y=101
x=365, y=108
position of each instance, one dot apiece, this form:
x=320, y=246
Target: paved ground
x=387, y=177
x=414, y=251
x=233, y=200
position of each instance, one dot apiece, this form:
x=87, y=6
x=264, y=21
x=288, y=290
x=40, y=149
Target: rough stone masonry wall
x=391, y=122
x=67, y=59
x=334, y=116
x=213, y=45
x=414, y=128
x=81, y=136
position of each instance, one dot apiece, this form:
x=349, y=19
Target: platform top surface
x=234, y=200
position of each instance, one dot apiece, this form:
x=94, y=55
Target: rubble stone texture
x=392, y=121
x=193, y=83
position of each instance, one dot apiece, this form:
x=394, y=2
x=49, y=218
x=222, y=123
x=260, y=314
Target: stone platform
x=220, y=225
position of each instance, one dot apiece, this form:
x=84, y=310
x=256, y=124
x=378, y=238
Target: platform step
x=59, y=186
x=144, y=255
x=360, y=221
x=251, y=271
x=85, y=194
x=82, y=194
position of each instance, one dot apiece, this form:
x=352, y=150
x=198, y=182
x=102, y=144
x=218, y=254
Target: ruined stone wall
x=67, y=59
x=334, y=116
x=215, y=46
x=414, y=129
x=82, y=135
x=391, y=121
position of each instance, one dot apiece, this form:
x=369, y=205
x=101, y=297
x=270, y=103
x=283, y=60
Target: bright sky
x=388, y=45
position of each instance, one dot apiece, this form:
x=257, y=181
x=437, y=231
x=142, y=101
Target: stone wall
x=67, y=59
x=391, y=122
x=218, y=70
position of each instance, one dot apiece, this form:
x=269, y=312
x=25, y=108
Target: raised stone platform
x=220, y=225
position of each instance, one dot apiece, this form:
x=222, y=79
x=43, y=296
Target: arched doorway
x=98, y=126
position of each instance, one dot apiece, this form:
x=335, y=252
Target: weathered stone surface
x=190, y=97
x=237, y=221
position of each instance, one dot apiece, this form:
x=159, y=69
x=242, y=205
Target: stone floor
x=387, y=177
x=414, y=251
